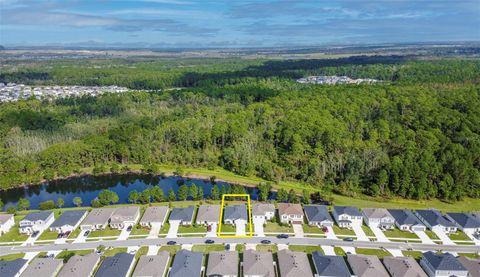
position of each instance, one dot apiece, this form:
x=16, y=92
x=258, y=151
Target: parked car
x=66, y=234
x=209, y=241
x=227, y=246
x=348, y=239
x=282, y=236
x=266, y=241
x=129, y=228
x=325, y=229
x=171, y=242
x=34, y=234
x=86, y=233
x=60, y=235
x=209, y=228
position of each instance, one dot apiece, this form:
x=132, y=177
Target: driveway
x=240, y=228
x=172, y=232
x=124, y=234
x=154, y=230
x=444, y=238
x=153, y=250
x=298, y=230
x=357, y=228
x=258, y=226
x=424, y=237
x=473, y=238
x=382, y=238
x=331, y=235
x=328, y=250
x=213, y=231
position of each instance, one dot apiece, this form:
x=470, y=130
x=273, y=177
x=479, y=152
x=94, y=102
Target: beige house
x=223, y=263
x=258, y=264
x=125, y=217
x=263, y=211
x=80, y=266
x=154, y=215
x=208, y=214
x=97, y=219
x=293, y=264
x=290, y=213
x=152, y=265
x=403, y=267
x=366, y=266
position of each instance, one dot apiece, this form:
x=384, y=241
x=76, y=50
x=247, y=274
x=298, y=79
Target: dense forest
x=415, y=135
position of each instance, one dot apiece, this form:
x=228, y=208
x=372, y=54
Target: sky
x=235, y=23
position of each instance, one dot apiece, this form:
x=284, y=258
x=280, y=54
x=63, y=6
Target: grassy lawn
x=343, y=231
x=415, y=254
x=240, y=248
x=48, y=235
x=206, y=248
x=107, y=232
x=459, y=235
x=368, y=231
x=140, y=230
x=165, y=227
x=141, y=252
x=470, y=255
x=75, y=233
x=227, y=228
x=113, y=251
x=376, y=252
x=172, y=249
x=192, y=229
x=397, y=233
x=271, y=227
x=13, y=235
x=339, y=251
x=431, y=235
x=12, y=257
x=267, y=248
x=66, y=255
x=305, y=248
x=312, y=229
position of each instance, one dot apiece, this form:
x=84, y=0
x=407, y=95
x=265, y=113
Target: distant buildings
x=334, y=80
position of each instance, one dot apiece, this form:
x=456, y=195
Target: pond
x=88, y=187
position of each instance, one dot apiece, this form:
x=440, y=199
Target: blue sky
x=235, y=23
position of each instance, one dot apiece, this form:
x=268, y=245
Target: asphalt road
x=4, y=250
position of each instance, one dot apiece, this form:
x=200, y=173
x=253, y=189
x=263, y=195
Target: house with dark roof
x=152, y=265
x=293, y=264
x=224, y=263
x=187, y=264
x=183, y=216
x=36, y=221
x=257, y=264
x=80, y=266
x=208, y=214
x=42, y=267
x=119, y=265
x=472, y=265
x=442, y=265
x=12, y=268
x=318, y=215
x=326, y=266
x=263, y=211
x=366, y=266
x=378, y=218
x=6, y=222
x=465, y=222
x=403, y=267
x=154, y=215
x=290, y=213
x=435, y=221
x=347, y=216
x=68, y=221
x=235, y=214
x=406, y=220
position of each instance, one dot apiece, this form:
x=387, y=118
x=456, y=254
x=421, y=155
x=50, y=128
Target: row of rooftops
x=254, y=263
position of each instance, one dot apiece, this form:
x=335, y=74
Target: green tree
x=171, y=195
x=200, y=194
x=145, y=196
x=215, y=193
x=107, y=197
x=11, y=210
x=282, y=195
x=305, y=197
x=1, y=204
x=182, y=192
x=263, y=191
x=77, y=201
x=292, y=196
x=23, y=204
x=95, y=203
x=133, y=196
x=60, y=202
x=157, y=194
x=46, y=205
x=193, y=191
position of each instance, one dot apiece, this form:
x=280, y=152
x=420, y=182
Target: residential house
x=42, y=267
x=187, y=264
x=378, y=218
x=154, y=215
x=293, y=264
x=36, y=221
x=435, y=221
x=439, y=265
x=80, y=266
x=125, y=217
x=318, y=215
x=290, y=213
x=472, y=265
x=6, y=222
x=466, y=222
x=183, y=216
x=119, y=265
x=263, y=211
x=208, y=214
x=403, y=267
x=328, y=266
x=347, y=216
x=366, y=266
x=68, y=221
x=97, y=219
x=406, y=220
x=224, y=263
x=12, y=268
x=258, y=264
x=152, y=265
x=235, y=214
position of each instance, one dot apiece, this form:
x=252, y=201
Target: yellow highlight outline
x=249, y=217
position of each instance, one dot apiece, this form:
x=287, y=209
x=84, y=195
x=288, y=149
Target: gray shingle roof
x=117, y=265
x=183, y=214
x=367, y=266
x=293, y=264
x=403, y=267
x=235, y=212
x=122, y=214
x=258, y=263
x=209, y=213
x=187, y=263
x=222, y=263
x=11, y=268
x=71, y=218
x=465, y=220
x=34, y=216
x=404, y=217
x=376, y=213
x=154, y=214
x=80, y=266
x=472, y=265
x=350, y=210
x=261, y=209
x=152, y=265
x=434, y=217
x=444, y=261
x=42, y=267
x=317, y=213
x=330, y=265
x=98, y=216
x=5, y=217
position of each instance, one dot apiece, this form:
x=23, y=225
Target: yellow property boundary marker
x=249, y=211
